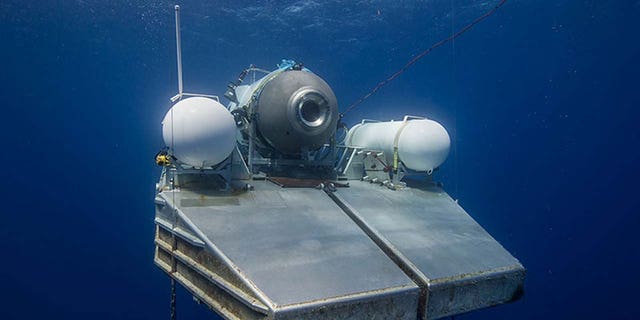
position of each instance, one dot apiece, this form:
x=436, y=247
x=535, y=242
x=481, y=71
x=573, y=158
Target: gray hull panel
x=279, y=254
x=438, y=244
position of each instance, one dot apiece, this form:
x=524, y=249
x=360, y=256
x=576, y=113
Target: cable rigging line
x=424, y=53
x=172, y=315
x=455, y=101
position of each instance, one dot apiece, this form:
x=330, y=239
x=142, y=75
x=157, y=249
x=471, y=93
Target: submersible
x=270, y=208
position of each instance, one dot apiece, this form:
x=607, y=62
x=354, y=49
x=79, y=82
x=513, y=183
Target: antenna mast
x=178, y=51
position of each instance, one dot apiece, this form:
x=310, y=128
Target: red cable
x=424, y=53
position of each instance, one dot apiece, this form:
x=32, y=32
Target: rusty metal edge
x=348, y=299
x=179, y=232
x=513, y=273
x=474, y=277
x=216, y=280
x=194, y=291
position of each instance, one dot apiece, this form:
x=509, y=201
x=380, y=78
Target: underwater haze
x=541, y=102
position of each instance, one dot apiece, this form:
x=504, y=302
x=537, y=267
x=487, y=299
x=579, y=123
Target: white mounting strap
x=405, y=120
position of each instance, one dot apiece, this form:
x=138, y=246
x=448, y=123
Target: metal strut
x=181, y=92
x=178, y=50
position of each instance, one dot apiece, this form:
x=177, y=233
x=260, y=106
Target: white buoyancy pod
x=199, y=131
x=422, y=144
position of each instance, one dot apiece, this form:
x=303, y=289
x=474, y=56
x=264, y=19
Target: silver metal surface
x=294, y=252
x=313, y=109
x=296, y=110
x=438, y=244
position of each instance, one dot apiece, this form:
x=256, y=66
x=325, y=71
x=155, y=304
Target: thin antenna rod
x=178, y=51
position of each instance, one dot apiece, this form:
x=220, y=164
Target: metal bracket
x=185, y=94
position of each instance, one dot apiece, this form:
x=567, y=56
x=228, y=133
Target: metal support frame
x=185, y=94
x=170, y=175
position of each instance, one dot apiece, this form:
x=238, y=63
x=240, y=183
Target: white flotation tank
x=199, y=132
x=422, y=144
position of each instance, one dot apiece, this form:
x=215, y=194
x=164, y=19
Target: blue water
x=541, y=101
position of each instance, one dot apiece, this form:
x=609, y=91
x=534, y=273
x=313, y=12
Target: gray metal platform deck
x=438, y=244
x=289, y=254
x=363, y=252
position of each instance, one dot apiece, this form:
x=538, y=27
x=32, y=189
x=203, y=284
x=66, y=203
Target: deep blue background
x=541, y=101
